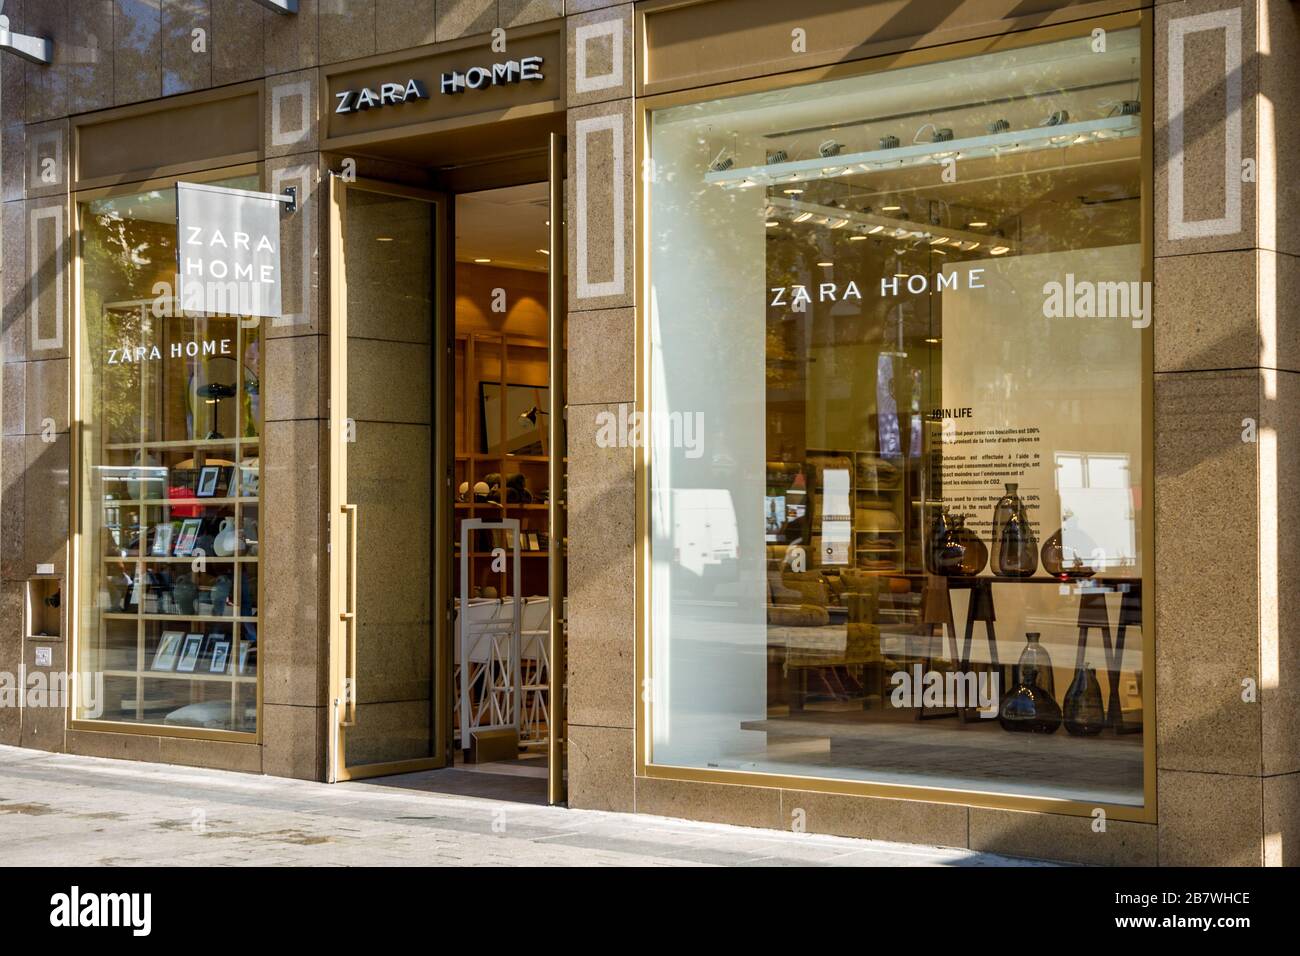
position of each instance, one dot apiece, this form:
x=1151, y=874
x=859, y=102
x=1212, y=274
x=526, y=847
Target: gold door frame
x=342, y=516
x=556, y=514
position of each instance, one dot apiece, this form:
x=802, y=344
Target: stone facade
x=1227, y=73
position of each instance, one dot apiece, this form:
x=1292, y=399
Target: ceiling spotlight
x=826, y=265
x=977, y=224
x=793, y=192
x=857, y=238
x=933, y=341
x=803, y=217
x=545, y=252
x=999, y=250
x=838, y=223
x=890, y=208
x=772, y=222
x=875, y=229
x=383, y=238
x=482, y=261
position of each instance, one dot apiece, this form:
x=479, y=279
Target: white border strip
x=582, y=130
x=1230, y=22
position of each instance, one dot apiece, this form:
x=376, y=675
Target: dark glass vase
x=1085, y=716
x=1015, y=551
x=1027, y=708
x=1030, y=705
x=963, y=554
x=935, y=541
x=1061, y=562
x=1035, y=665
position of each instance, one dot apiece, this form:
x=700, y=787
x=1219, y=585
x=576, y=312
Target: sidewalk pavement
x=63, y=810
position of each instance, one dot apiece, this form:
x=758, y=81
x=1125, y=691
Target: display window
x=897, y=382
x=169, y=487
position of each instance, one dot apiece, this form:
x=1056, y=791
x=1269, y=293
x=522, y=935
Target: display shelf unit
x=499, y=360
x=173, y=516
x=879, y=550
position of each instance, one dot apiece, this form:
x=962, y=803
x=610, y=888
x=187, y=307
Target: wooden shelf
x=184, y=675
x=186, y=443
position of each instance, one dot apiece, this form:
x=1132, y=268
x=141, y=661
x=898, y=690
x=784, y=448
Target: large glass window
x=170, y=452
x=896, y=398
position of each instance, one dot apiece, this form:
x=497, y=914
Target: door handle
x=349, y=618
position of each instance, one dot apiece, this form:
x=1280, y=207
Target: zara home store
x=864, y=419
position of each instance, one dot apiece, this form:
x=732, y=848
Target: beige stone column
x=602, y=330
x=1227, y=441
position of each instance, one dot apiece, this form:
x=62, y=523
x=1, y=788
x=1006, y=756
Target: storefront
x=828, y=421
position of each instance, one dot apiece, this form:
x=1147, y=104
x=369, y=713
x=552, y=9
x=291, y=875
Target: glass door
x=387, y=396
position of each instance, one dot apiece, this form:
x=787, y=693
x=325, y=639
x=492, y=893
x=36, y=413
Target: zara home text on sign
x=527, y=69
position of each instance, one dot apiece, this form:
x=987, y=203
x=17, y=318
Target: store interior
x=906, y=422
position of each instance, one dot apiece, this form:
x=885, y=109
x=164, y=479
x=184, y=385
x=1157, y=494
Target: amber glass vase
x=937, y=538
x=1063, y=563
x=963, y=554
x=1015, y=551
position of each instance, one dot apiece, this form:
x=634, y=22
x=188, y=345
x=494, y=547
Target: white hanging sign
x=228, y=250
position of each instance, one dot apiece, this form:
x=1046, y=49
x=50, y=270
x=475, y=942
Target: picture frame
x=164, y=535
x=189, y=656
x=164, y=658
x=188, y=537
x=226, y=487
x=207, y=486
x=247, y=659
x=219, y=662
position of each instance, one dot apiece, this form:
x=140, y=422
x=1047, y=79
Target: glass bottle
x=938, y=535
x=1062, y=563
x=1035, y=665
x=1084, y=714
x=1015, y=551
x=1030, y=706
x=963, y=553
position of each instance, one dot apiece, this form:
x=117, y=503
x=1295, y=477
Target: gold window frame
x=643, y=721
x=76, y=421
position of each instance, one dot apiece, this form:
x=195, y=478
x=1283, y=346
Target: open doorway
x=501, y=547
x=446, y=344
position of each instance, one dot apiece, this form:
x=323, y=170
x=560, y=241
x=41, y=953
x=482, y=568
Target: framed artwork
x=220, y=659
x=248, y=478
x=207, y=486
x=188, y=536
x=247, y=659
x=190, y=653
x=526, y=418
x=163, y=537
x=164, y=659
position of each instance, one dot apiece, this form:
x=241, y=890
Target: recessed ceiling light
x=1000, y=250
x=900, y=275
x=803, y=217
x=482, y=261
x=826, y=265
x=978, y=224
x=891, y=208
x=772, y=222
x=933, y=341
x=545, y=252
x=794, y=192
x=383, y=238
x=856, y=238
x=875, y=229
